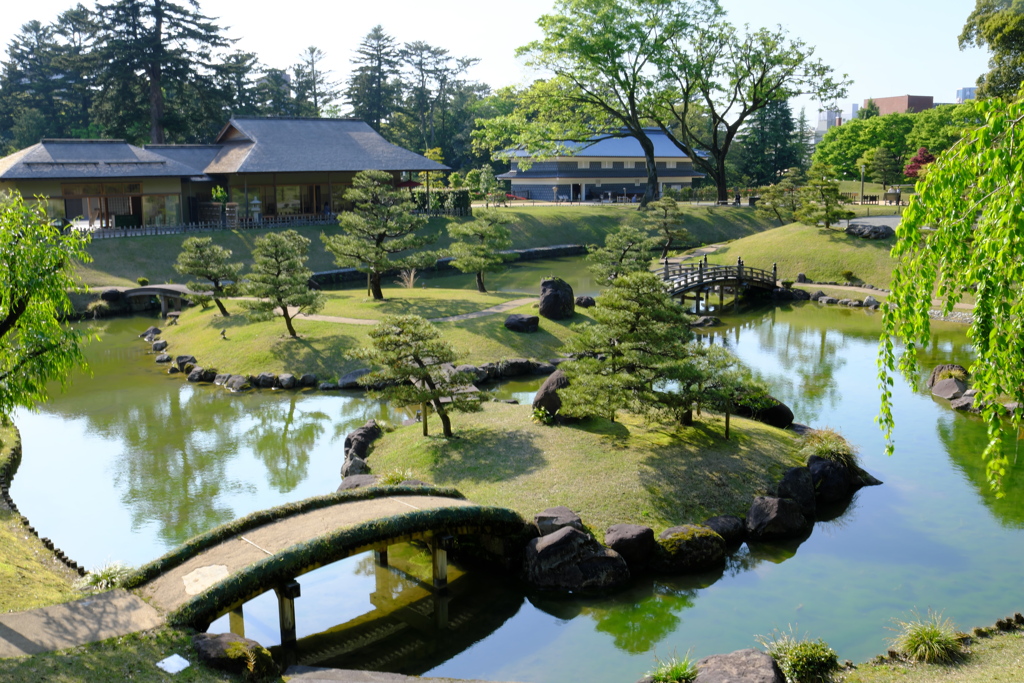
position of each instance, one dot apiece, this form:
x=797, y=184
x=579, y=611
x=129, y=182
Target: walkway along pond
x=140, y=461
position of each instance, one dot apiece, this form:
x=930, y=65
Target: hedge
x=200, y=611
x=198, y=544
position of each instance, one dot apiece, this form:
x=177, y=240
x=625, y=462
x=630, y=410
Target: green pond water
x=130, y=462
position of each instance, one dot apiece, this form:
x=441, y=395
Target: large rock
x=182, y=361
x=221, y=378
x=479, y=374
x=328, y=386
x=634, y=542
x=151, y=331
x=196, y=375
x=266, y=380
x=357, y=443
x=775, y=518
x=351, y=380
x=706, y=321
x=777, y=414
x=515, y=367
x=817, y=295
x=491, y=371
x=539, y=367
x=235, y=654
x=547, y=396
x=585, y=301
x=870, y=302
x=354, y=466
x=570, y=560
x=160, y=345
x=556, y=299
x=801, y=295
x=553, y=519
x=827, y=300
x=308, y=380
x=690, y=548
x=833, y=482
x=237, y=383
x=286, y=381
x=942, y=368
x=522, y=323
x=870, y=231
x=729, y=527
x=797, y=484
x=949, y=388
x=358, y=481
x=965, y=404
x=742, y=666
x=163, y=358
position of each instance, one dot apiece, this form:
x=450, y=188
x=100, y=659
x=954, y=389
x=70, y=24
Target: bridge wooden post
x=775, y=273
x=439, y=551
x=721, y=297
x=236, y=622
x=380, y=557
x=286, y=594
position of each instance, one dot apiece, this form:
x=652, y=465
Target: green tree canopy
x=638, y=340
x=999, y=26
x=627, y=249
x=663, y=217
x=279, y=279
x=201, y=258
x=771, y=144
x=411, y=360
x=963, y=234
x=843, y=146
x=478, y=243
x=36, y=347
x=380, y=225
x=820, y=201
x=781, y=201
x=374, y=88
x=869, y=110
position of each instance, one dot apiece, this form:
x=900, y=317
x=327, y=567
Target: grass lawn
x=122, y=261
x=997, y=658
x=30, y=574
x=428, y=303
x=251, y=348
x=821, y=254
x=130, y=658
x=607, y=472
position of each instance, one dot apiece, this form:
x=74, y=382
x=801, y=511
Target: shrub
x=848, y=275
x=543, y=416
x=674, y=670
x=930, y=639
x=98, y=309
x=143, y=281
x=110, y=575
x=800, y=659
x=788, y=284
x=395, y=477
x=407, y=278
x=829, y=444
x=953, y=373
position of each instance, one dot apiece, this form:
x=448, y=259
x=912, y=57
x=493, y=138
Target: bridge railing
x=678, y=276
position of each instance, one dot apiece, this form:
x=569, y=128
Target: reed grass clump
x=829, y=444
x=674, y=670
x=929, y=639
x=800, y=659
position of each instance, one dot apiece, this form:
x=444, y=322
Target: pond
x=131, y=462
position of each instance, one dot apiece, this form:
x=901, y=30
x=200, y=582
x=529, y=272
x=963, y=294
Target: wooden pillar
x=721, y=297
x=163, y=305
x=441, y=611
x=380, y=557
x=439, y=550
x=286, y=594
x=236, y=622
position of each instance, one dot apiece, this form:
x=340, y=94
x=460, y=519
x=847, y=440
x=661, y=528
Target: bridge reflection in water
x=412, y=627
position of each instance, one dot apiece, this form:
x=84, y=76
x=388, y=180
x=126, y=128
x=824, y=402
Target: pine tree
x=279, y=279
x=314, y=91
x=202, y=258
x=820, y=201
x=374, y=89
x=627, y=249
x=663, y=217
x=478, y=243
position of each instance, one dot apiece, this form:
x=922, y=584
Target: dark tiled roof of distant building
x=627, y=147
x=89, y=159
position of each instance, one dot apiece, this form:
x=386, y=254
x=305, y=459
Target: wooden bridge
x=702, y=278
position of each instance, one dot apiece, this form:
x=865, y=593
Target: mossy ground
x=626, y=471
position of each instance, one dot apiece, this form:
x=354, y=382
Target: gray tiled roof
x=627, y=147
x=52, y=159
x=296, y=145
x=193, y=156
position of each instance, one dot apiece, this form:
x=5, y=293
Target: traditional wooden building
x=607, y=169
x=271, y=167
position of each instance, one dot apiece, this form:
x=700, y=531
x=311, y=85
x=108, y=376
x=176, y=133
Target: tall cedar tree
x=374, y=88
x=638, y=337
x=314, y=89
x=820, y=201
x=280, y=279
x=478, y=243
x=380, y=225
x=627, y=249
x=35, y=277
x=663, y=218
x=410, y=358
x=962, y=235
x=201, y=258
x=771, y=144
x=152, y=49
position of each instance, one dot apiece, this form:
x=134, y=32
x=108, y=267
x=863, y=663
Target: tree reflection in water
x=282, y=438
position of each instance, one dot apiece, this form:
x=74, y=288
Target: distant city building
x=826, y=120
x=853, y=111
x=965, y=94
x=903, y=104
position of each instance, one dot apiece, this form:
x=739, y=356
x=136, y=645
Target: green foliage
x=848, y=276
x=674, y=670
x=380, y=225
x=820, y=201
x=395, y=477
x=843, y=146
x=477, y=243
x=953, y=373
x=410, y=359
x=829, y=444
x=111, y=575
x=219, y=195
x=662, y=217
x=882, y=166
x=772, y=143
x=280, y=279
x=971, y=203
x=338, y=544
x=999, y=26
x=869, y=110
x=204, y=541
x=98, y=309
x=627, y=249
x=543, y=416
x=201, y=258
x=447, y=201
x=781, y=201
x=800, y=659
x=930, y=639
x=143, y=281
x=787, y=284
x=35, y=276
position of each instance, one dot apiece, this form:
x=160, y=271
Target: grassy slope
x=121, y=261
x=998, y=658
x=30, y=574
x=822, y=255
x=252, y=348
x=607, y=472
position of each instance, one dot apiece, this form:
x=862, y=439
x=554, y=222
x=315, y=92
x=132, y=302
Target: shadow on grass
x=484, y=455
x=433, y=307
x=533, y=344
x=325, y=361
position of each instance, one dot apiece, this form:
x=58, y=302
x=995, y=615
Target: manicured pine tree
x=201, y=258
x=280, y=279
x=627, y=249
x=663, y=217
x=479, y=243
x=820, y=201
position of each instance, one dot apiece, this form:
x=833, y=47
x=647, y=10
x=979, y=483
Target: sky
x=887, y=47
